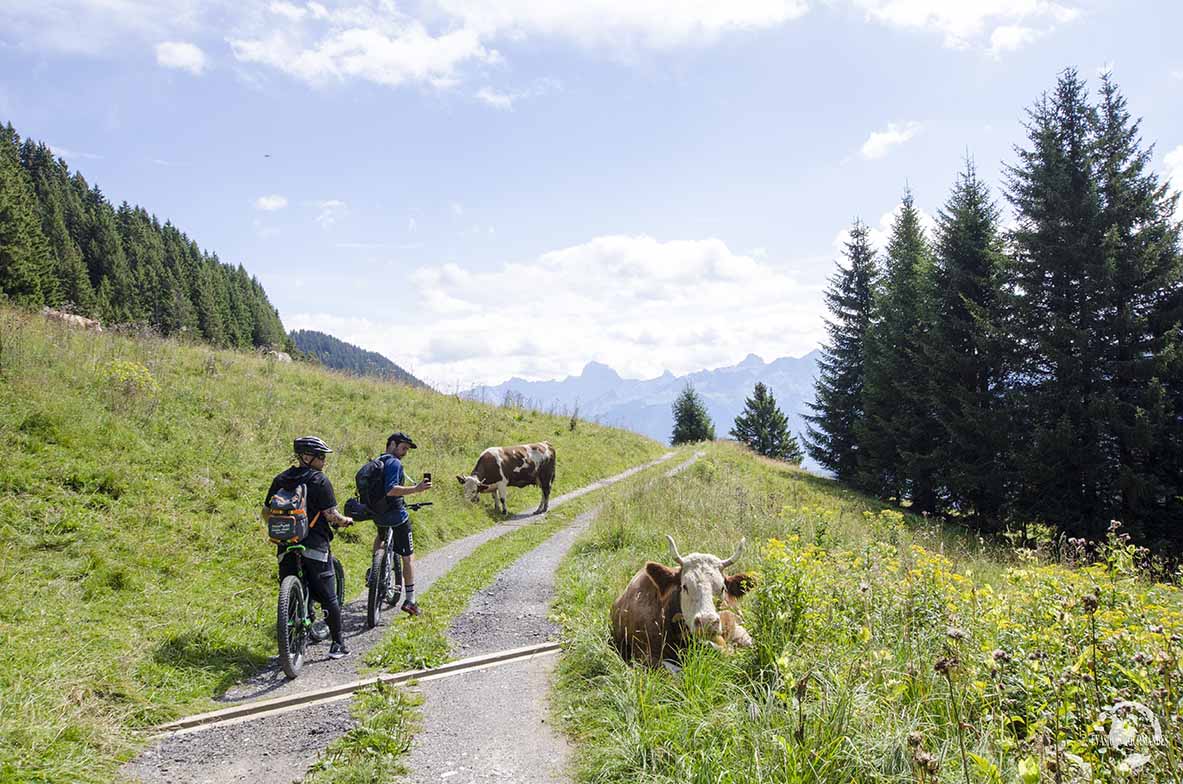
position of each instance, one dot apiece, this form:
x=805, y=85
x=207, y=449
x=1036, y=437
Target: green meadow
x=887, y=648
x=136, y=580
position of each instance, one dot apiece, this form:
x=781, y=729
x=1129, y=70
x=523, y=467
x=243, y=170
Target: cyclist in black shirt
x=323, y=516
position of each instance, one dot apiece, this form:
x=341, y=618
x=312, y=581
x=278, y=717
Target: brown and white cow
x=500, y=467
x=653, y=619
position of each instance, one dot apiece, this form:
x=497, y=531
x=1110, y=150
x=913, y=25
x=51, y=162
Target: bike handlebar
x=417, y=506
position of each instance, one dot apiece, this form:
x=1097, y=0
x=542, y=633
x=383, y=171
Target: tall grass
x=887, y=649
x=135, y=580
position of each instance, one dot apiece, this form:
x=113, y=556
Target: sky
x=481, y=189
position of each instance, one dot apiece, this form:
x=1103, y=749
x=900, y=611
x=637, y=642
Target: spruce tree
x=965, y=360
x=897, y=438
x=691, y=421
x=765, y=429
x=830, y=431
x=25, y=255
x=1058, y=272
x=1141, y=253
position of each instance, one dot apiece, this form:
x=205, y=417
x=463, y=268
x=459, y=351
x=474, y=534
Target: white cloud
x=964, y=23
x=657, y=24
x=293, y=12
x=74, y=155
x=99, y=27
x=328, y=211
x=181, y=55
x=377, y=44
x=1008, y=38
x=1173, y=161
x=505, y=100
x=637, y=303
x=271, y=203
x=879, y=142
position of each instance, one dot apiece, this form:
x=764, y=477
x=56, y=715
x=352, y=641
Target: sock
x=410, y=592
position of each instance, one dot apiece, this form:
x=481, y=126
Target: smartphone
x=426, y=476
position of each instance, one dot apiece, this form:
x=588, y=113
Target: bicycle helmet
x=310, y=445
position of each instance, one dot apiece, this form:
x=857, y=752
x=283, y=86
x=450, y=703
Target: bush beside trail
x=136, y=581
x=887, y=648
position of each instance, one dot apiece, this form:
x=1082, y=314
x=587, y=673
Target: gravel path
x=268, y=750
x=495, y=724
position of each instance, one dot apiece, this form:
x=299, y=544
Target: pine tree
x=838, y=390
x=691, y=421
x=1058, y=272
x=765, y=429
x=965, y=359
x=1145, y=293
x=897, y=440
x=25, y=255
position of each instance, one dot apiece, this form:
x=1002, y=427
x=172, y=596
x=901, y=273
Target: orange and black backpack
x=287, y=515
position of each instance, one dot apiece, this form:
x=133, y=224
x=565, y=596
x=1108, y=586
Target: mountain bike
x=385, y=578
x=294, y=616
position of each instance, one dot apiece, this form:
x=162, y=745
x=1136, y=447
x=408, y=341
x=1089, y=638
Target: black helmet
x=310, y=445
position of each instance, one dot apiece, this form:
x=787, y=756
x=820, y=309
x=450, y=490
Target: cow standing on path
x=653, y=619
x=500, y=467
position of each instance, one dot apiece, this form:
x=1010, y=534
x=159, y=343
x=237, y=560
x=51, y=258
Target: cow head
x=472, y=487
x=700, y=582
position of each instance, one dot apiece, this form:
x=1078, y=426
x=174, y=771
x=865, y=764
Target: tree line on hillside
x=761, y=426
x=339, y=355
x=63, y=245
x=1025, y=374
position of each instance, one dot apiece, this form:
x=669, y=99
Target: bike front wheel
x=339, y=572
x=290, y=630
x=377, y=589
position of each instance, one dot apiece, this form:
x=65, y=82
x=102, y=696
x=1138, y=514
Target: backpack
x=371, y=486
x=287, y=515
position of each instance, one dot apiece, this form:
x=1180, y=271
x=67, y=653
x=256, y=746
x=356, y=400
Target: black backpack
x=287, y=515
x=371, y=486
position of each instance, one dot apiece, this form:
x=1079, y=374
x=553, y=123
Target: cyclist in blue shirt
x=396, y=515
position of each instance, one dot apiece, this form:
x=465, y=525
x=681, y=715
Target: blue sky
x=483, y=189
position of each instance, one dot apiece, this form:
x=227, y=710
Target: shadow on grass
x=196, y=651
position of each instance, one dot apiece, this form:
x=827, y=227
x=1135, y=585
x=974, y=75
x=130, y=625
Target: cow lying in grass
x=662, y=608
x=500, y=467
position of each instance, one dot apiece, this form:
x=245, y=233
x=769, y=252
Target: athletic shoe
x=338, y=650
x=410, y=608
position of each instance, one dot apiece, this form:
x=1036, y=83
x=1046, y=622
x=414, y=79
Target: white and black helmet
x=310, y=445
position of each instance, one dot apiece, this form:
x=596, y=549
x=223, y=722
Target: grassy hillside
x=136, y=581
x=887, y=648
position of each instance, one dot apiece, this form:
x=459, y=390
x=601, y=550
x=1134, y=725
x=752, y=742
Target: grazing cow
x=500, y=467
x=661, y=608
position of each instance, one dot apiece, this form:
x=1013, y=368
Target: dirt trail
x=495, y=724
x=281, y=749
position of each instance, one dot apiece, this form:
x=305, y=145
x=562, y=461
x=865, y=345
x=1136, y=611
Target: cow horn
x=674, y=549
x=735, y=555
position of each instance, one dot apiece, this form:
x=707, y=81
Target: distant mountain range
x=644, y=406
x=339, y=355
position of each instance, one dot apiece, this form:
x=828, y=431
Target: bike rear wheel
x=290, y=630
x=377, y=589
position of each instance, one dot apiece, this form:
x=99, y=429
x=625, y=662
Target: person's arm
x=336, y=518
x=400, y=490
